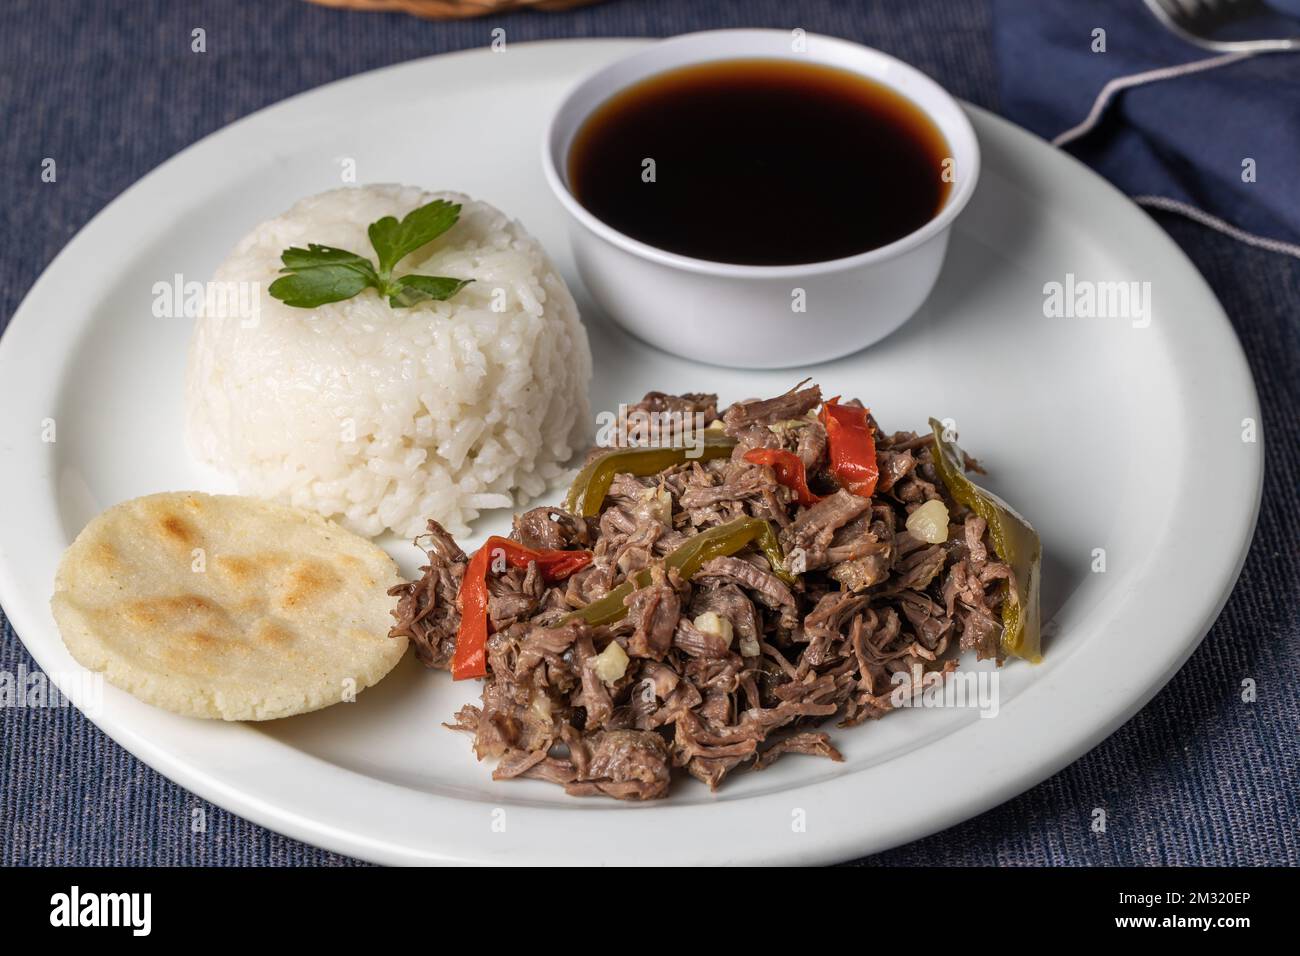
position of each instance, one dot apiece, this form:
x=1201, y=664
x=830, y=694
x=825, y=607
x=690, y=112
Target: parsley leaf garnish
x=321, y=274
x=412, y=290
x=395, y=240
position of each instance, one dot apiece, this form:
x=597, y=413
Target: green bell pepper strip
x=588, y=491
x=722, y=540
x=1014, y=541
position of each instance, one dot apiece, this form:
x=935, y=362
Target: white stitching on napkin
x=1214, y=222
x=1138, y=79
x=1120, y=83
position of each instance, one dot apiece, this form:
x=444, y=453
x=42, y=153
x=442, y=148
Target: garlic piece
x=611, y=663
x=711, y=622
x=929, y=522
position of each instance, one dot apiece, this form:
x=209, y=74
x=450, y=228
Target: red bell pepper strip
x=852, y=447
x=789, y=471
x=470, y=659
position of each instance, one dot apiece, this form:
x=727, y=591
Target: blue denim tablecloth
x=1198, y=777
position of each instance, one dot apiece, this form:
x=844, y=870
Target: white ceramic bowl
x=741, y=315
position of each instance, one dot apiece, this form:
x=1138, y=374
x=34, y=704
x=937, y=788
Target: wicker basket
x=453, y=9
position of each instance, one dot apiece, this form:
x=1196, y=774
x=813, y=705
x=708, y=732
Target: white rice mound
x=381, y=418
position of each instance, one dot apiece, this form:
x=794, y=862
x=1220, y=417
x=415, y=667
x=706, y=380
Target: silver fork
x=1230, y=26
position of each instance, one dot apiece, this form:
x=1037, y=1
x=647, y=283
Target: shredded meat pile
x=871, y=602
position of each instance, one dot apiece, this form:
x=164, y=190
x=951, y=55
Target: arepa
x=227, y=607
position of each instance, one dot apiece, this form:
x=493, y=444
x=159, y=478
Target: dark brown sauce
x=760, y=162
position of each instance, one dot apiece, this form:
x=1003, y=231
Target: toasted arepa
x=227, y=607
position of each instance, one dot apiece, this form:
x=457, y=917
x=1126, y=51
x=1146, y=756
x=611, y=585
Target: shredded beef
x=691, y=403
x=793, y=404
x=811, y=533
x=426, y=611
x=551, y=528
x=733, y=668
x=653, y=611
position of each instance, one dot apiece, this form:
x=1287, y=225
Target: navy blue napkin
x=1222, y=138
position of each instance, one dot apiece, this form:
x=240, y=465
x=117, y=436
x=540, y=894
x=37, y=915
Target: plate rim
x=25, y=614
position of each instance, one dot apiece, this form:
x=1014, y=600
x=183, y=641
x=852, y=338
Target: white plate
x=1105, y=435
